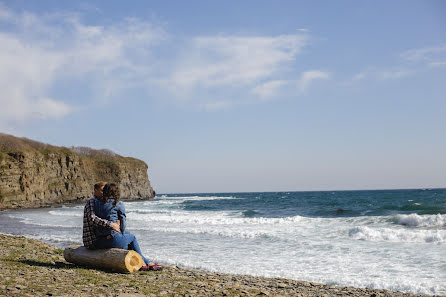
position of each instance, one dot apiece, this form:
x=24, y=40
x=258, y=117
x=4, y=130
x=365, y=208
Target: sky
x=235, y=96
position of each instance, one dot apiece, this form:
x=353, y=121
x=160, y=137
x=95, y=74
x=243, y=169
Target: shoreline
x=75, y=202
x=32, y=268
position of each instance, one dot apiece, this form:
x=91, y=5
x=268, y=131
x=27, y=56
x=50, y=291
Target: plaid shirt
x=90, y=222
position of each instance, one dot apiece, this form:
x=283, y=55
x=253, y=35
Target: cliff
x=34, y=174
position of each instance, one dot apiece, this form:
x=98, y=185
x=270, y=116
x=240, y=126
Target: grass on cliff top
x=10, y=145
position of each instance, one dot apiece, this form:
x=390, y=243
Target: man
x=91, y=220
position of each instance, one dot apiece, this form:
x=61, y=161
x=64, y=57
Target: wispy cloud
x=269, y=89
x=437, y=64
x=309, y=76
x=41, y=50
x=217, y=61
x=425, y=54
x=393, y=74
x=434, y=56
x=413, y=62
x=372, y=73
x=360, y=76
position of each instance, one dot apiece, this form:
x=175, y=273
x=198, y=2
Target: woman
x=110, y=208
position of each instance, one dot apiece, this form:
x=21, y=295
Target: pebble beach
x=32, y=268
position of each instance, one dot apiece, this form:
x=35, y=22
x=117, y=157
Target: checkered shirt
x=91, y=221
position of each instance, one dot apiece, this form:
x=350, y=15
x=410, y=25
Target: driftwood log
x=113, y=259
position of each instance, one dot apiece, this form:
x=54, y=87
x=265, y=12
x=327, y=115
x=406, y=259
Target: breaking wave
x=415, y=220
x=398, y=235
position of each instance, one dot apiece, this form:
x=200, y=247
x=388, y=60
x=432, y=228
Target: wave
x=28, y=221
x=66, y=213
x=57, y=238
x=211, y=219
x=415, y=220
x=195, y=198
x=74, y=239
x=251, y=234
x=398, y=235
x=250, y=213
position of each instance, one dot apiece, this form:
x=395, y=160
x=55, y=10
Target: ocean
x=387, y=239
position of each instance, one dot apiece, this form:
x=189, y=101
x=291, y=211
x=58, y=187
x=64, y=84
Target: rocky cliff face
x=37, y=174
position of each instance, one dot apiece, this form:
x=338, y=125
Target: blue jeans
x=126, y=241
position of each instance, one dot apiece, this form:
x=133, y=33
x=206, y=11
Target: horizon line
x=283, y=191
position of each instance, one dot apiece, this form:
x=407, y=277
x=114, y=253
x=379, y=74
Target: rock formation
x=34, y=174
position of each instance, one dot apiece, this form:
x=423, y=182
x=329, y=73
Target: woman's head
x=111, y=190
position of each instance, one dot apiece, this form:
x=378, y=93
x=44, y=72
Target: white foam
x=210, y=219
x=196, y=198
x=398, y=235
x=73, y=238
x=46, y=220
x=229, y=233
x=415, y=220
x=65, y=213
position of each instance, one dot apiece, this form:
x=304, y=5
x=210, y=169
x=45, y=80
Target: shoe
x=151, y=266
x=145, y=267
x=155, y=267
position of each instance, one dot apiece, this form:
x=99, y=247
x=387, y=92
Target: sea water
x=388, y=239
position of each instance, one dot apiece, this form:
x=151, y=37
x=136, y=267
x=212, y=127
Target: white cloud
x=434, y=56
x=38, y=53
x=41, y=50
x=437, y=64
x=233, y=61
x=309, y=76
x=268, y=89
x=360, y=76
x=393, y=74
x=427, y=53
x=373, y=73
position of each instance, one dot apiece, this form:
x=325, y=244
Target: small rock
x=12, y=290
x=282, y=285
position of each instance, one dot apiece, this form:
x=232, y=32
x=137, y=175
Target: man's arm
x=97, y=221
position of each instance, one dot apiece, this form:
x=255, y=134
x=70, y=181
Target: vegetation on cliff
x=34, y=174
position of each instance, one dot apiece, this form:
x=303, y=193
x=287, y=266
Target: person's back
x=109, y=211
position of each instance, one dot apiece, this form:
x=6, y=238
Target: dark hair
x=111, y=190
x=99, y=185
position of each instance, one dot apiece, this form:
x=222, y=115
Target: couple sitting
x=105, y=221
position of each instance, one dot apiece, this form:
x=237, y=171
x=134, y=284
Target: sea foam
x=397, y=235
x=415, y=220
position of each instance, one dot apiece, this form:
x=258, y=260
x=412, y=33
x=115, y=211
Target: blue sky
x=235, y=95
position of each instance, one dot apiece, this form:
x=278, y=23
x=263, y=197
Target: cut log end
x=133, y=261
x=114, y=259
